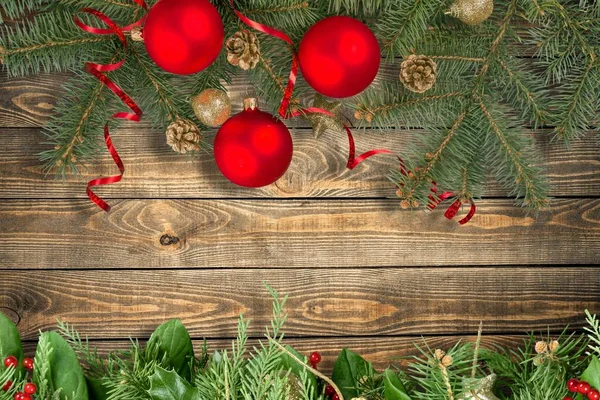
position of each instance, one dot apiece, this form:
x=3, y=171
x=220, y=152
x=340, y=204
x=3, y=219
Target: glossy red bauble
x=339, y=57
x=314, y=358
x=253, y=148
x=7, y=386
x=183, y=36
x=593, y=394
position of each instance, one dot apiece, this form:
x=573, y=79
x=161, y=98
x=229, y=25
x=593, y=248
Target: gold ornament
x=183, y=136
x=243, y=50
x=136, y=34
x=482, y=390
x=321, y=122
x=212, y=107
x=417, y=73
x=472, y=12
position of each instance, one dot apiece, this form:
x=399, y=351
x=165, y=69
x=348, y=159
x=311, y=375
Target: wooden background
x=360, y=271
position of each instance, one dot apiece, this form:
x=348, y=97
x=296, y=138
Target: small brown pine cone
x=2, y=51
x=553, y=346
x=418, y=73
x=243, y=49
x=183, y=136
x=541, y=347
x=136, y=34
x=446, y=361
x=439, y=354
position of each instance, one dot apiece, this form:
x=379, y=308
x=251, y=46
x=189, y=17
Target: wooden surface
x=360, y=272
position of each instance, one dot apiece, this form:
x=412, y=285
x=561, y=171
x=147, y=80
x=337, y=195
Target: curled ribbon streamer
x=97, y=71
x=353, y=160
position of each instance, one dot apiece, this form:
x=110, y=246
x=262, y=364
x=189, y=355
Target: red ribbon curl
x=97, y=71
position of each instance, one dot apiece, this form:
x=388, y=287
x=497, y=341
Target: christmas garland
x=165, y=368
x=464, y=78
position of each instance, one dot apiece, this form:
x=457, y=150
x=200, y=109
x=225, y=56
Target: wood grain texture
x=323, y=302
x=39, y=234
x=381, y=351
x=318, y=168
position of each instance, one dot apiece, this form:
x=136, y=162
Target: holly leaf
x=96, y=389
x=175, y=347
x=63, y=371
x=591, y=375
x=10, y=341
x=394, y=388
x=349, y=368
x=168, y=385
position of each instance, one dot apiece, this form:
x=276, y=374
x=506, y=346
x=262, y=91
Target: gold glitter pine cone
x=243, y=50
x=418, y=73
x=183, y=136
x=212, y=107
x=472, y=12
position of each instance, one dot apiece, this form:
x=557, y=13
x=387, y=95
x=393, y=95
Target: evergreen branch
x=278, y=9
x=534, y=192
x=581, y=106
x=457, y=58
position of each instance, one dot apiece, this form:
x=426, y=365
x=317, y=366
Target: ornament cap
x=250, y=103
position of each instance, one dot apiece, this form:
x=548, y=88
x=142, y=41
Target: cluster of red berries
x=29, y=389
x=330, y=392
x=314, y=359
x=582, y=387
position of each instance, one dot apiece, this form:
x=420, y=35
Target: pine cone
x=541, y=347
x=183, y=136
x=137, y=34
x=417, y=73
x=243, y=50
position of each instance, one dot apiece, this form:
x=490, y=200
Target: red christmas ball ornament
x=339, y=56
x=593, y=394
x=253, y=148
x=183, y=36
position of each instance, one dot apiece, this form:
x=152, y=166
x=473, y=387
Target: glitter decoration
x=472, y=12
x=212, y=107
x=321, y=122
x=482, y=390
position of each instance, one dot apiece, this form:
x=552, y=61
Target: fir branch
x=524, y=173
x=51, y=42
x=89, y=358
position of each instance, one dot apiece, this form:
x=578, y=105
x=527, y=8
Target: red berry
x=7, y=386
x=19, y=396
x=28, y=363
x=30, y=388
x=583, y=387
x=593, y=394
x=329, y=391
x=567, y=398
x=314, y=358
x=572, y=385
x=335, y=397
x=26, y=397
x=11, y=361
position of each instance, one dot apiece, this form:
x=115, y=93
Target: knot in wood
x=167, y=240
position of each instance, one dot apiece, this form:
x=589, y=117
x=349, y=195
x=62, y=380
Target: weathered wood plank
x=322, y=302
x=318, y=168
x=290, y=233
x=381, y=351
